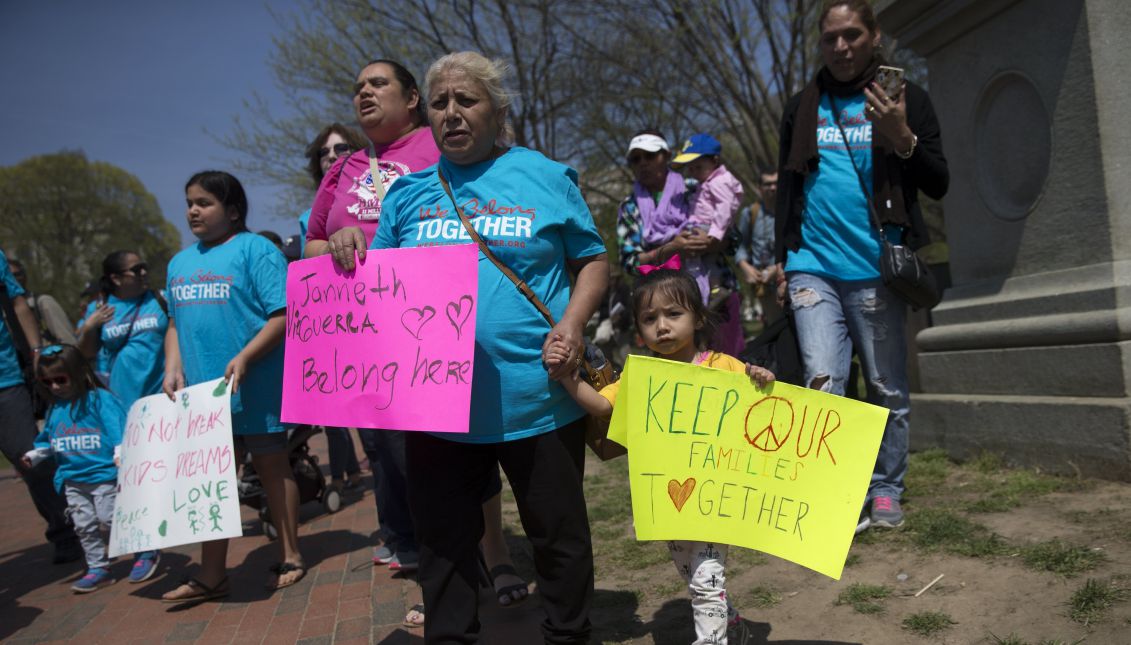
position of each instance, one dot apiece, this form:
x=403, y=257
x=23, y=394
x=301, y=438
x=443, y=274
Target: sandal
x=506, y=595
x=283, y=568
x=414, y=621
x=198, y=591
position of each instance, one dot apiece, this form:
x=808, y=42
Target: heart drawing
x=458, y=313
x=413, y=319
x=680, y=493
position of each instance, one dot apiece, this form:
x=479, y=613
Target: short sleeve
x=268, y=269
x=610, y=392
x=14, y=288
x=726, y=362
x=323, y=201
x=579, y=235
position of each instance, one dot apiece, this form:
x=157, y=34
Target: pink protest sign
x=389, y=345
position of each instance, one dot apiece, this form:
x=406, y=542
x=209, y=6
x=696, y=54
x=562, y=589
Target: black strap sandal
x=505, y=595
x=280, y=569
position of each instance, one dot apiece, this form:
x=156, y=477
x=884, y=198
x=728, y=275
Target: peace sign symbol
x=772, y=419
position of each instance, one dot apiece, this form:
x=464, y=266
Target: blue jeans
x=833, y=317
x=386, y=452
x=343, y=459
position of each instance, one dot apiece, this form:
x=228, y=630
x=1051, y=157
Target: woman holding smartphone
x=845, y=142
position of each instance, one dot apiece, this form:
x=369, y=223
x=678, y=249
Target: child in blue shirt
x=83, y=431
x=227, y=306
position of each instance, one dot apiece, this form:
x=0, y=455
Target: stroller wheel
x=332, y=500
x=269, y=530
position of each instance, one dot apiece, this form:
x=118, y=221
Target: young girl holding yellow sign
x=675, y=325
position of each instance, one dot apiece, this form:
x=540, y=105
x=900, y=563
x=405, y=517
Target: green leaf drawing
x=161, y=528
x=221, y=387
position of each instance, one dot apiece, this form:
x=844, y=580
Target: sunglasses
x=339, y=149
x=62, y=380
x=50, y=350
x=634, y=159
x=137, y=269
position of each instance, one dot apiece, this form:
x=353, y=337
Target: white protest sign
x=177, y=479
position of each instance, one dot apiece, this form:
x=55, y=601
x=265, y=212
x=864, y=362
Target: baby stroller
x=311, y=482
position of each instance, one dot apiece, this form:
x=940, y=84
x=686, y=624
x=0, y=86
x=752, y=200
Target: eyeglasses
x=62, y=380
x=634, y=159
x=137, y=269
x=339, y=149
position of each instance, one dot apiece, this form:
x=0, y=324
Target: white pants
x=92, y=506
x=702, y=565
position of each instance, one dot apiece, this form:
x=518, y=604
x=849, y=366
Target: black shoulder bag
x=901, y=269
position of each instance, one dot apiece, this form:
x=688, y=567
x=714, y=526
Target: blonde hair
x=488, y=73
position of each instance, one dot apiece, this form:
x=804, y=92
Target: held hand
x=556, y=353
x=750, y=274
x=343, y=245
x=888, y=117
x=118, y=462
x=760, y=375
x=235, y=371
x=173, y=381
x=570, y=337
x=695, y=242
x=783, y=292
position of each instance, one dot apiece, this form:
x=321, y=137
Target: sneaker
x=383, y=554
x=94, y=580
x=864, y=523
x=887, y=513
x=404, y=561
x=145, y=566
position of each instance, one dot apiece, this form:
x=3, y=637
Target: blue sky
x=139, y=84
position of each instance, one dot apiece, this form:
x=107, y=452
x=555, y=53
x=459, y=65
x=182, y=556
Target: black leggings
x=446, y=484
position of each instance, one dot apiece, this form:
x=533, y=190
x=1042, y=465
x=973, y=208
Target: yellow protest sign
x=712, y=458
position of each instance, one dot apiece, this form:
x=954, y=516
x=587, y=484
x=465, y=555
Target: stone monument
x=1029, y=355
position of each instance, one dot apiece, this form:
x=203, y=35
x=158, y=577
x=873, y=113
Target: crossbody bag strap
x=863, y=186
x=378, y=185
x=523, y=288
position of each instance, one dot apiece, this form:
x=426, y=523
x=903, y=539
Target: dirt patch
x=1002, y=595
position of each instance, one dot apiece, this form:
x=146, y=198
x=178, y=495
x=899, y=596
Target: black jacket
x=926, y=170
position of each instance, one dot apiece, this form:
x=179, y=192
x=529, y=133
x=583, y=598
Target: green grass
x=1003, y=489
x=1090, y=602
x=927, y=623
x=1067, y=560
x=927, y=471
x=763, y=597
x=863, y=597
x=935, y=529
x=1014, y=639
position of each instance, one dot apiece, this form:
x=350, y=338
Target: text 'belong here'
x=712, y=458
x=383, y=345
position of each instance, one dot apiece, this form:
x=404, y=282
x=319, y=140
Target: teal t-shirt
x=82, y=438
x=133, y=363
x=9, y=363
x=531, y=213
x=837, y=237
x=220, y=297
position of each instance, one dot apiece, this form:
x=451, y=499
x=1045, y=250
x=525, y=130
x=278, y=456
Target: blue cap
x=697, y=146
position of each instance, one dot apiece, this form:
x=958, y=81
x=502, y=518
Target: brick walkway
x=343, y=599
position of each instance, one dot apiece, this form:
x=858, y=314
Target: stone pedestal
x=1030, y=352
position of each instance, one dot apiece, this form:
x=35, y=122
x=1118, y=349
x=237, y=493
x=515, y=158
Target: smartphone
x=890, y=80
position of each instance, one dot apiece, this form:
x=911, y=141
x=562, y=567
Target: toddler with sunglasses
x=83, y=431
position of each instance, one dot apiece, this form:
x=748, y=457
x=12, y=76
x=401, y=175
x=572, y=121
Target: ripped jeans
x=833, y=318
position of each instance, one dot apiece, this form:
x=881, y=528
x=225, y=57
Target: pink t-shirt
x=346, y=196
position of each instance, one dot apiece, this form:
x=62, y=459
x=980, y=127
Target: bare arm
x=588, y=290
x=27, y=321
x=174, y=369
x=588, y=398
x=259, y=346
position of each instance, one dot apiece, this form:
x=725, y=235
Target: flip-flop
x=508, y=591
x=281, y=569
x=419, y=609
x=201, y=591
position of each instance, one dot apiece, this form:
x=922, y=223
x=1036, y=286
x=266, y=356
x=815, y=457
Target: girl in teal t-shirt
x=227, y=306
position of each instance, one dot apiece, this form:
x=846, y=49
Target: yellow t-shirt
x=715, y=360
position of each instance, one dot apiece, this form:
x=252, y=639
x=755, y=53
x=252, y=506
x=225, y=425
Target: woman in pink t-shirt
x=343, y=219
x=390, y=112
